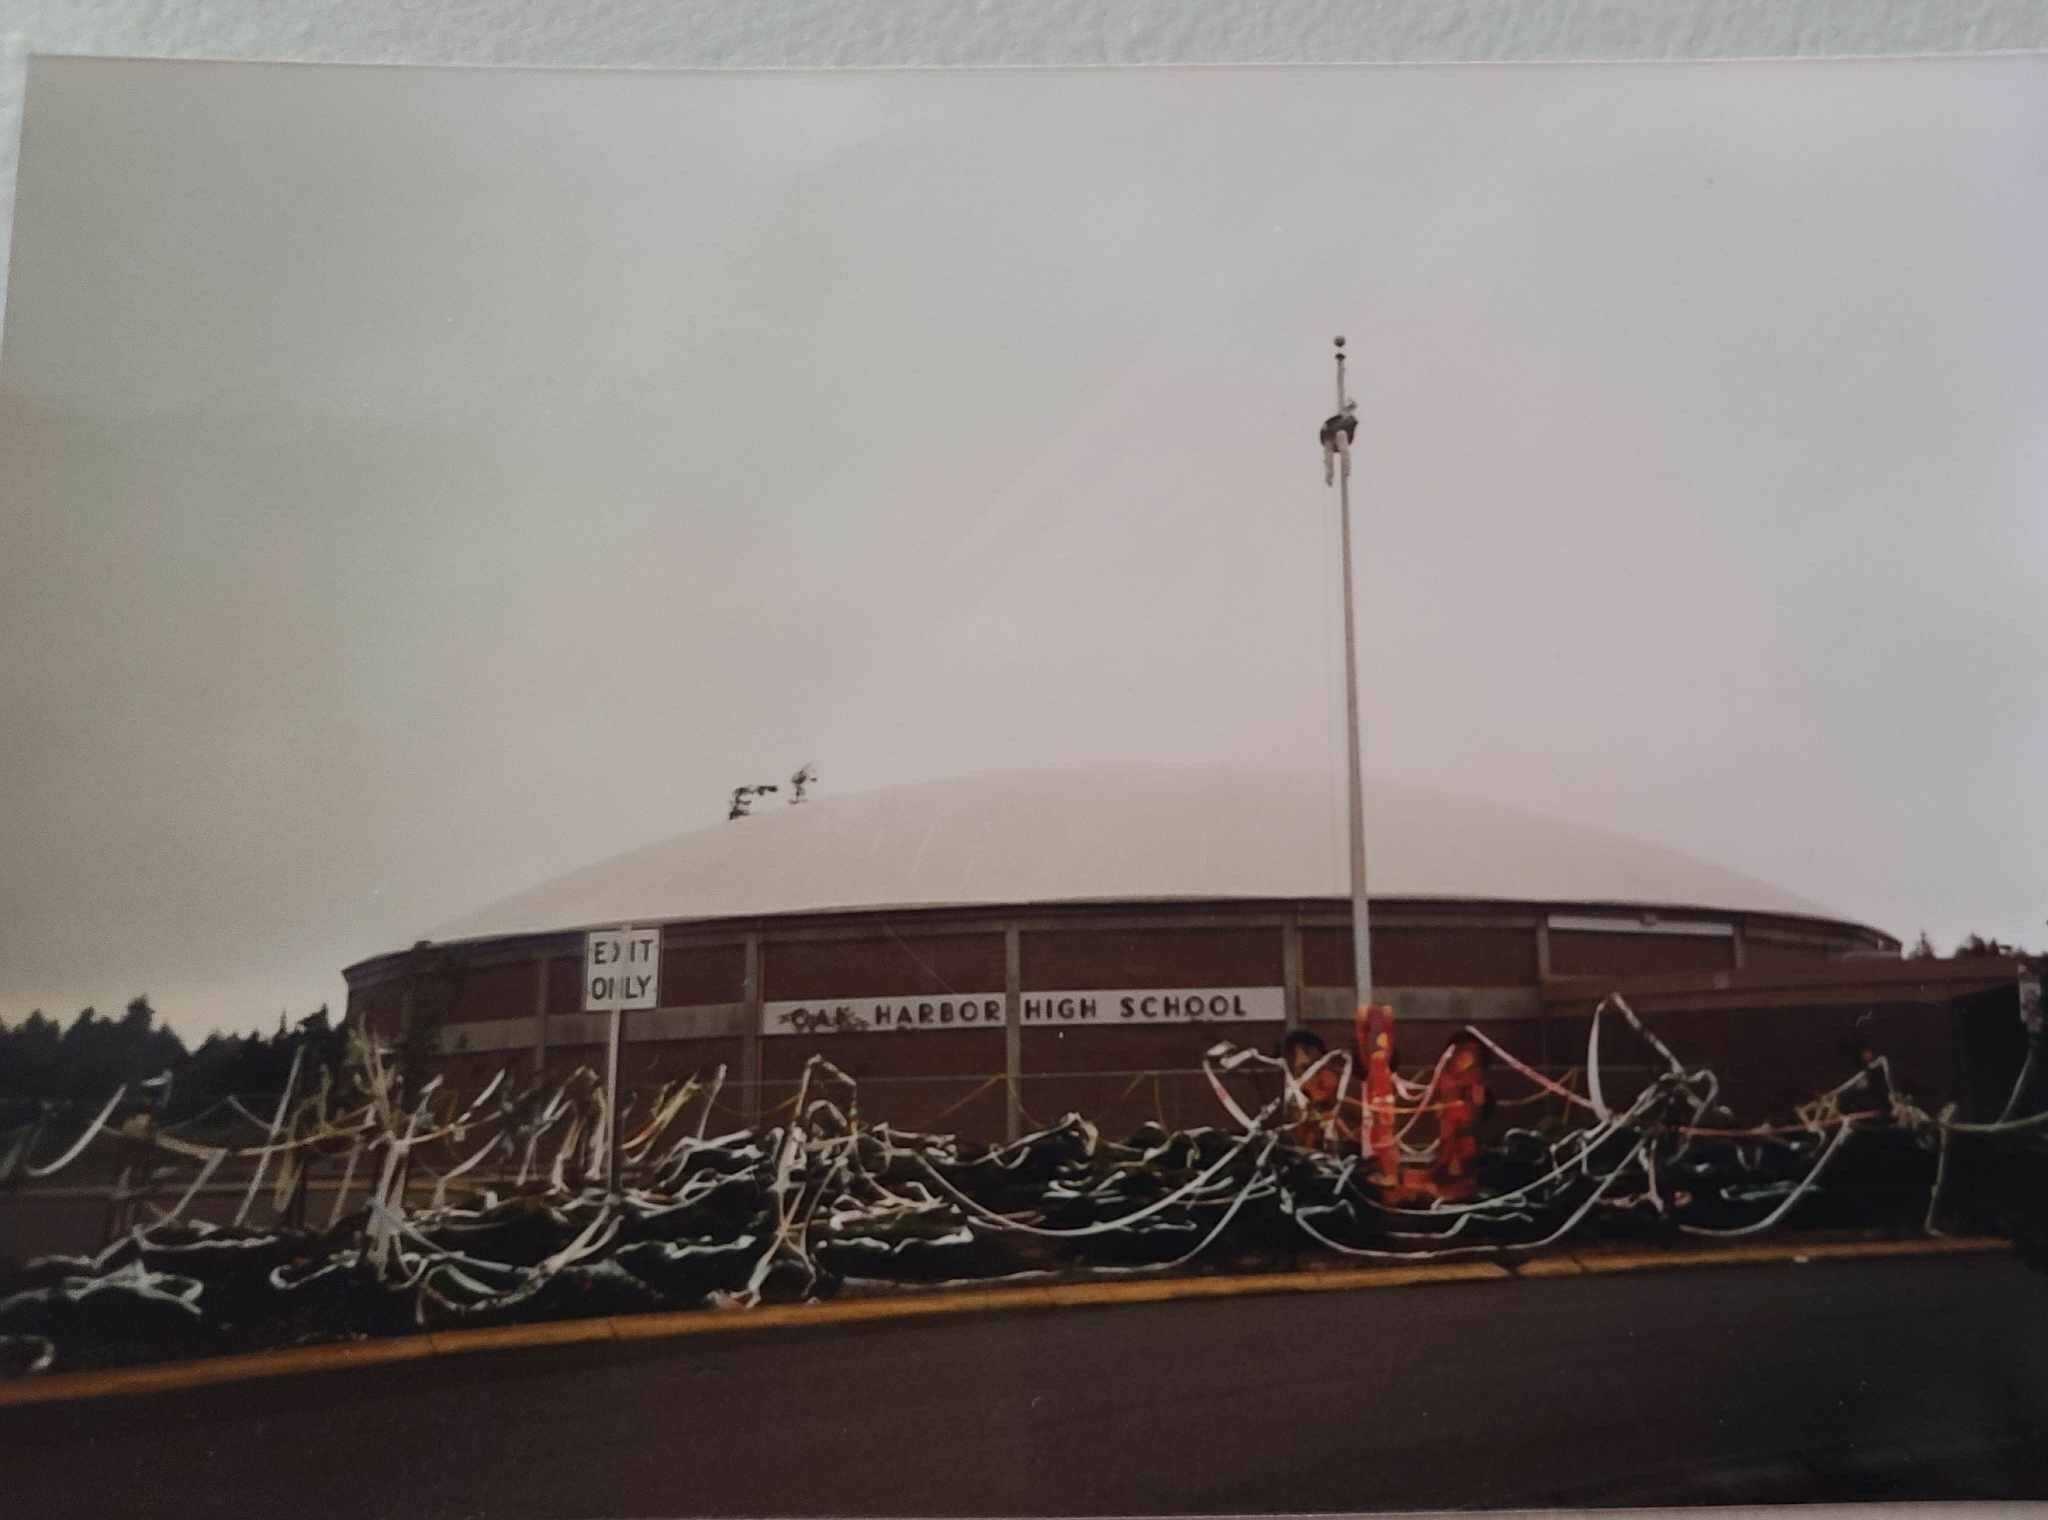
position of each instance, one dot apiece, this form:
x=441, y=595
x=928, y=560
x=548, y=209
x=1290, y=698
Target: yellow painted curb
x=208, y=1371
x=1563, y=1265
x=553, y=1332
x=1766, y=1255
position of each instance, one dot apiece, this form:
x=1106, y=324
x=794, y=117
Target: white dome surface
x=1133, y=834
x=1123, y=835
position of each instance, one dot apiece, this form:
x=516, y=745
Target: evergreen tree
x=1976, y=946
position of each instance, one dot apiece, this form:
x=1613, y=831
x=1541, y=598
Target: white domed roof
x=1138, y=834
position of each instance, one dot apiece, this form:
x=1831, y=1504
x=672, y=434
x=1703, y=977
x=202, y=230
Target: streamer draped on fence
x=494, y=1208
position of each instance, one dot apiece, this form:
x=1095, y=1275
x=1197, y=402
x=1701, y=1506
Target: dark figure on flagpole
x=1338, y=431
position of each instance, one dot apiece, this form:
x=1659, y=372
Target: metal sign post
x=621, y=970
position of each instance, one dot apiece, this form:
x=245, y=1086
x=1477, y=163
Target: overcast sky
x=417, y=483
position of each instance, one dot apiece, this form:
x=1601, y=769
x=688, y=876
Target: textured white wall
x=883, y=33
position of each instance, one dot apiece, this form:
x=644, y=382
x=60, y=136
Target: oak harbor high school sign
x=984, y=1010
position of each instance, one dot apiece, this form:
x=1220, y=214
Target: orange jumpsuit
x=1375, y=1032
x=1461, y=1097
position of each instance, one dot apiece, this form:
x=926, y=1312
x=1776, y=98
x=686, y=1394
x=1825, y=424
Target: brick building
x=997, y=950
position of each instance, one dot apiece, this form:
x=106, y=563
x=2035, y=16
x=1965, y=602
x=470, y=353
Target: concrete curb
x=170, y=1377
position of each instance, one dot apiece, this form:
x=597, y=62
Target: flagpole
x=1361, y=941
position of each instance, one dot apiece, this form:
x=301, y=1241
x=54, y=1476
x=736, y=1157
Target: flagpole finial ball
x=1340, y=342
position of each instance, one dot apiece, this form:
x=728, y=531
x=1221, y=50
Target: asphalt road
x=1910, y=1379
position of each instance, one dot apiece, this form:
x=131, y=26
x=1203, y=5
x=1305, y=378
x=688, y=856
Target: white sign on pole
x=621, y=969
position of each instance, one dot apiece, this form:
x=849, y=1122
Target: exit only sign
x=621, y=969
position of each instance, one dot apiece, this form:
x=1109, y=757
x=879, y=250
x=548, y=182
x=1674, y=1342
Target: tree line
x=1971, y=947
x=42, y=1062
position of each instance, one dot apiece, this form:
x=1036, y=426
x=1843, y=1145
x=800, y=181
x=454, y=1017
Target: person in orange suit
x=1319, y=1117
x=1461, y=1104
x=1374, y=1030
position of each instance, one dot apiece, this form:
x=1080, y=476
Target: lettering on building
x=1121, y=1008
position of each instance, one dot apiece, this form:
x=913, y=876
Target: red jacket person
x=1319, y=1120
